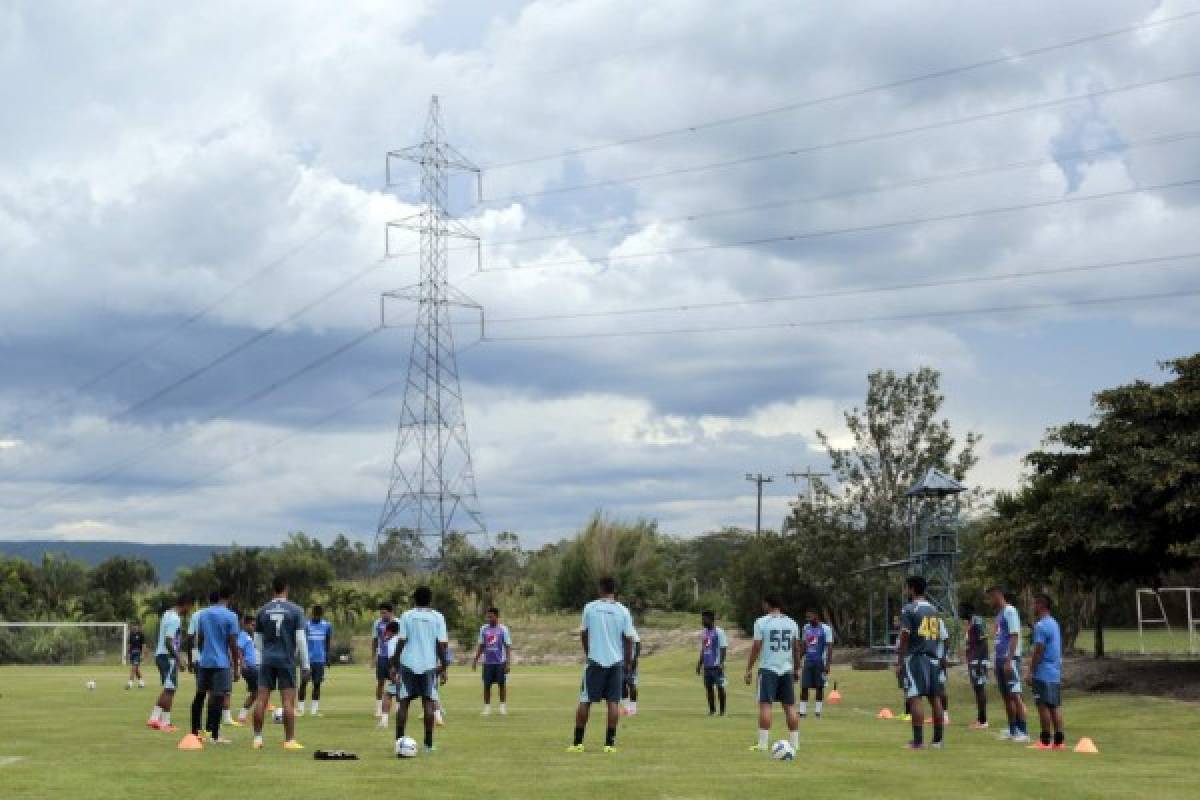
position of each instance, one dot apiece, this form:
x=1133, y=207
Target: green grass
x=1157, y=640
x=75, y=743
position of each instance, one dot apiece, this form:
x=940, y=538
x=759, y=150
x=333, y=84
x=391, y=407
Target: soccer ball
x=782, y=751
x=91, y=685
x=277, y=716
x=406, y=747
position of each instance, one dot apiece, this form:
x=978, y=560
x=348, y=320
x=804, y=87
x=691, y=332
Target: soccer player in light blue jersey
x=420, y=662
x=245, y=643
x=217, y=666
x=776, y=649
x=1045, y=673
x=607, y=636
x=1008, y=664
x=319, y=634
x=167, y=658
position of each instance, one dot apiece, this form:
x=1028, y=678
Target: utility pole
x=432, y=488
x=808, y=476
x=759, y=479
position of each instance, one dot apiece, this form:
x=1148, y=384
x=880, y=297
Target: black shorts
x=776, y=688
x=494, y=674
x=812, y=676
x=250, y=675
x=272, y=678
x=602, y=683
x=1008, y=681
x=383, y=668
x=920, y=676
x=316, y=673
x=416, y=684
x=168, y=671
x=1047, y=694
x=135, y=658
x=714, y=676
x=218, y=680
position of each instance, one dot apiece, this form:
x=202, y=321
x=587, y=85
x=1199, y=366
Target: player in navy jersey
x=714, y=647
x=975, y=656
x=817, y=656
x=280, y=640
x=137, y=645
x=916, y=661
x=495, y=647
x=380, y=654
x=319, y=634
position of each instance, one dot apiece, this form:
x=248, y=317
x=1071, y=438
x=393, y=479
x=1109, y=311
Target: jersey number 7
x=277, y=618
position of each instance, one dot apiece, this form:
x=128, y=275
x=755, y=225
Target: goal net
x=1169, y=620
x=63, y=642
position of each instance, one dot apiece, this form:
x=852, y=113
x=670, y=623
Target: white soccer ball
x=406, y=747
x=782, y=751
x=91, y=685
x=277, y=716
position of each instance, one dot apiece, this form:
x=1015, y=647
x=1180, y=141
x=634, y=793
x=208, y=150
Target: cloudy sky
x=178, y=185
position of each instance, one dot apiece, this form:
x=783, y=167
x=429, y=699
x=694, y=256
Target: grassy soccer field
x=58, y=739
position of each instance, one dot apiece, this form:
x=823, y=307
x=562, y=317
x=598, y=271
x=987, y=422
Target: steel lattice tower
x=432, y=487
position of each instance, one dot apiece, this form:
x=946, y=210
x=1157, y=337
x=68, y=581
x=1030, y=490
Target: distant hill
x=166, y=558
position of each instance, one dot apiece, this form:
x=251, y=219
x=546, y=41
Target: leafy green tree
x=113, y=585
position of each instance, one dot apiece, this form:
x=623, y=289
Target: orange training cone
x=885, y=713
x=835, y=696
x=191, y=742
x=1086, y=745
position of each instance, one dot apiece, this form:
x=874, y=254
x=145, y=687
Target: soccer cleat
x=1040, y=746
x=1006, y=736
x=292, y=744
x=257, y=745
x=938, y=745
x=608, y=748
x=153, y=724
x=914, y=746
x=756, y=749
x=237, y=723
x=978, y=726
x=803, y=716
x=1058, y=746
x=1021, y=738
x=218, y=740
x=167, y=728
x=430, y=748
x=575, y=748
x=906, y=718
x=818, y=715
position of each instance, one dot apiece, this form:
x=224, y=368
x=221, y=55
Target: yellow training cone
x=191, y=742
x=1086, y=745
x=885, y=713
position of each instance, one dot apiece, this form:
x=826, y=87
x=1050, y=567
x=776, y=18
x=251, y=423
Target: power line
x=854, y=291
x=929, y=180
x=879, y=226
x=815, y=101
x=157, y=447
x=854, y=140
x=856, y=320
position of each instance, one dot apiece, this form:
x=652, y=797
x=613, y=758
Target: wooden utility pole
x=759, y=479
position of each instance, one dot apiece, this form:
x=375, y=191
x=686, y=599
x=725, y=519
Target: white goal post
x=1192, y=622
x=122, y=626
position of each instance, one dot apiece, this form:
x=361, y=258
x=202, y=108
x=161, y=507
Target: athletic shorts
x=316, y=673
x=494, y=674
x=601, y=683
x=417, y=684
x=977, y=671
x=214, y=679
x=1047, y=694
x=714, y=676
x=272, y=678
x=383, y=668
x=250, y=675
x=168, y=671
x=920, y=676
x=812, y=676
x=1009, y=681
x=135, y=658
x=776, y=688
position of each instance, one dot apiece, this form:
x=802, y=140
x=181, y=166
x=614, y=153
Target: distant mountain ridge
x=166, y=558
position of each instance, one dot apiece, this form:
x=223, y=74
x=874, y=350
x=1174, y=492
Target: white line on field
x=8, y=761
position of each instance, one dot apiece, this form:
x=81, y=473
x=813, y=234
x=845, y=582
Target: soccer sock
x=165, y=719
x=803, y=707
x=1023, y=726
x=918, y=734
x=819, y=706
x=242, y=714
x=214, y=718
x=763, y=736
x=1045, y=737
x=633, y=707
x=197, y=711
x=712, y=704
x=156, y=714
x=938, y=729
x=314, y=707
x=429, y=731
x=1059, y=737
x=504, y=708
x=379, y=708
x=722, y=695
x=610, y=737
x=227, y=717
x=794, y=738
x=578, y=740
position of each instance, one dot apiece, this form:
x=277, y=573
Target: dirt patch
x=1178, y=680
